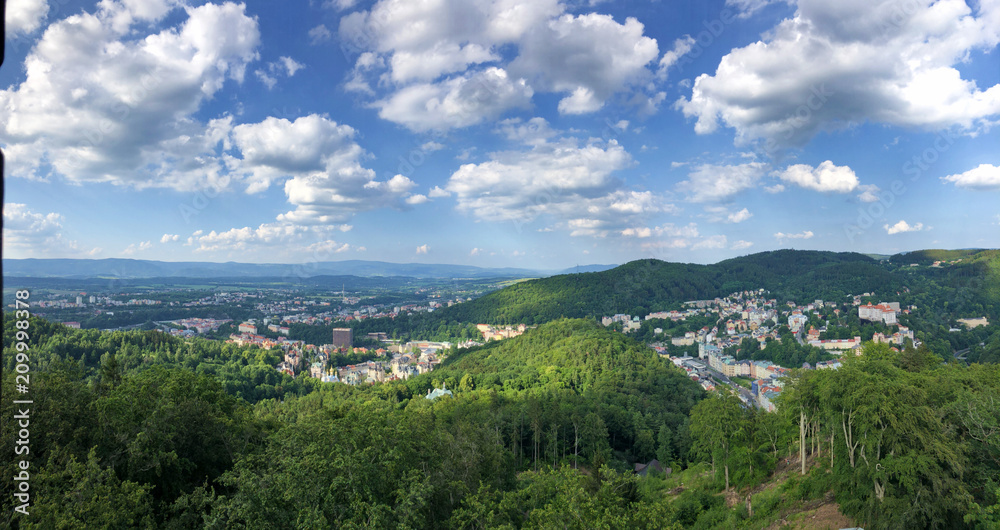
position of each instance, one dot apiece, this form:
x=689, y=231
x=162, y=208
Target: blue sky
x=498, y=133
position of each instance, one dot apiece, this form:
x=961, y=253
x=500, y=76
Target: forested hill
x=580, y=356
x=644, y=285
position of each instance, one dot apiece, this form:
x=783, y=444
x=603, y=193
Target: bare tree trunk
x=833, y=433
x=802, y=440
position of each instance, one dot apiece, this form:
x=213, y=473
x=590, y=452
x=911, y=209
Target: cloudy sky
x=529, y=133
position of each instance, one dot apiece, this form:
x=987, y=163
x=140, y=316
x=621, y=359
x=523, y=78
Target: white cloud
x=273, y=235
x=284, y=66
x=25, y=16
x=741, y=245
x=327, y=247
x=436, y=59
x=133, y=248
x=710, y=182
x=825, y=177
x=836, y=64
x=167, y=238
x=423, y=249
x=982, y=177
x=535, y=131
x=103, y=101
x=589, y=56
x=319, y=34
x=667, y=230
x=438, y=192
x=475, y=251
x=424, y=40
x=682, y=46
x=416, y=199
x=802, y=235
x=718, y=241
x=777, y=188
x=34, y=235
x=306, y=244
x=869, y=193
x=749, y=7
x=457, y=102
x=341, y=5
x=291, y=65
x=322, y=162
x=903, y=226
x=267, y=80
x=431, y=146
x=740, y=216
x=573, y=184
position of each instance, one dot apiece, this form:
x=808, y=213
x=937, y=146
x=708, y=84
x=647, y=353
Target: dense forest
x=540, y=429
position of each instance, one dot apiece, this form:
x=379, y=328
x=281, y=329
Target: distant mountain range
x=134, y=268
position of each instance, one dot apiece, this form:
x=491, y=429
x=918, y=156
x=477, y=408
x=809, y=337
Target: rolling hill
x=643, y=285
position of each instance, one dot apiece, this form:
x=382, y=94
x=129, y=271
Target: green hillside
x=929, y=256
x=647, y=285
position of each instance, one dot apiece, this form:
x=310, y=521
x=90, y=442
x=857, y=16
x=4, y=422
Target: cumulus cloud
x=302, y=243
x=902, y=226
x=825, y=177
x=140, y=247
x=570, y=183
x=535, y=131
x=982, y=177
x=438, y=192
x=717, y=241
x=103, y=100
x=667, y=230
x=322, y=163
x=168, y=238
x=835, y=64
x=709, y=182
x=741, y=245
x=25, y=16
x=475, y=251
x=801, y=235
x=319, y=35
x=423, y=249
x=284, y=66
x=423, y=41
x=35, y=235
x=740, y=216
x=869, y=193
x=722, y=214
x=447, y=61
x=457, y=102
x=681, y=47
x=588, y=56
